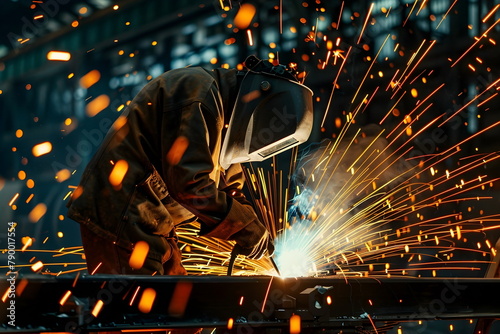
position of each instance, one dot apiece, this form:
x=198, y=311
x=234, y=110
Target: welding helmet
x=272, y=113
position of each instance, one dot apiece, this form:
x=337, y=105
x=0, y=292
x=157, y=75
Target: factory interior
x=386, y=219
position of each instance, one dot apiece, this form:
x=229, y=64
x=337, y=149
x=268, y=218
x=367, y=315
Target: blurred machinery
x=260, y=304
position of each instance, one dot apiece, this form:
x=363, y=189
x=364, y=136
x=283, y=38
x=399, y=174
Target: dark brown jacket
x=166, y=183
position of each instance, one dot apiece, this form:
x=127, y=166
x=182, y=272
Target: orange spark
x=6, y=294
x=295, y=324
x=490, y=13
x=177, y=150
x=230, y=323
x=118, y=173
x=134, y=295
x=446, y=14
x=334, y=85
x=13, y=199
x=249, y=37
x=267, y=293
x=421, y=7
x=391, y=109
x=65, y=297
x=63, y=175
x=477, y=41
x=244, y=16
x=366, y=21
x=37, y=266
x=26, y=243
x=90, y=79
x=369, y=68
x=147, y=299
x=41, y=149
x=97, y=105
x=470, y=102
x=139, y=254
x=411, y=11
x=58, y=55
x=37, y=212
x=97, y=308
x=489, y=98
x=340, y=15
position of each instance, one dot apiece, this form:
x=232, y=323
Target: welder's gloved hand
x=253, y=241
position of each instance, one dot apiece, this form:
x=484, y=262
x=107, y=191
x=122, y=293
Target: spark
x=97, y=308
x=244, y=16
x=366, y=21
x=147, y=299
x=177, y=150
x=139, y=254
x=334, y=85
x=491, y=12
x=424, y=2
x=411, y=11
x=295, y=324
x=65, y=298
x=118, y=174
x=446, y=14
x=97, y=105
x=41, y=149
x=37, y=212
x=90, y=79
x=369, y=68
x=340, y=15
x=392, y=108
x=59, y=55
x=37, y=266
x=414, y=66
x=14, y=198
x=134, y=295
x=249, y=37
x=475, y=43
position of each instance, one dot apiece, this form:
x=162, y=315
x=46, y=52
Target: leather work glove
x=253, y=241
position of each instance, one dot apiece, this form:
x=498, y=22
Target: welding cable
x=234, y=255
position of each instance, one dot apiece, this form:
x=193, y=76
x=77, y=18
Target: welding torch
x=237, y=250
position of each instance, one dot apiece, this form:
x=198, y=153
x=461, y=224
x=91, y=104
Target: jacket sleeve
x=190, y=175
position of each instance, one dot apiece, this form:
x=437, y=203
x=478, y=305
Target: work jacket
x=159, y=164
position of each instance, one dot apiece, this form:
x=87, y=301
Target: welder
x=177, y=151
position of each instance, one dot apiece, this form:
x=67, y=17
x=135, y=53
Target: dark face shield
x=271, y=114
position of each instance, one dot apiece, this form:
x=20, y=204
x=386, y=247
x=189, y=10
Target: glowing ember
x=97, y=105
x=41, y=149
x=139, y=254
x=37, y=213
x=177, y=150
x=118, y=173
x=37, y=266
x=295, y=324
x=65, y=297
x=59, y=55
x=244, y=16
x=90, y=79
x=147, y=299
x=97, y=308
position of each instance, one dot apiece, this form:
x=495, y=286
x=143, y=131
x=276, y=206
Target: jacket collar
x=228, y=86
